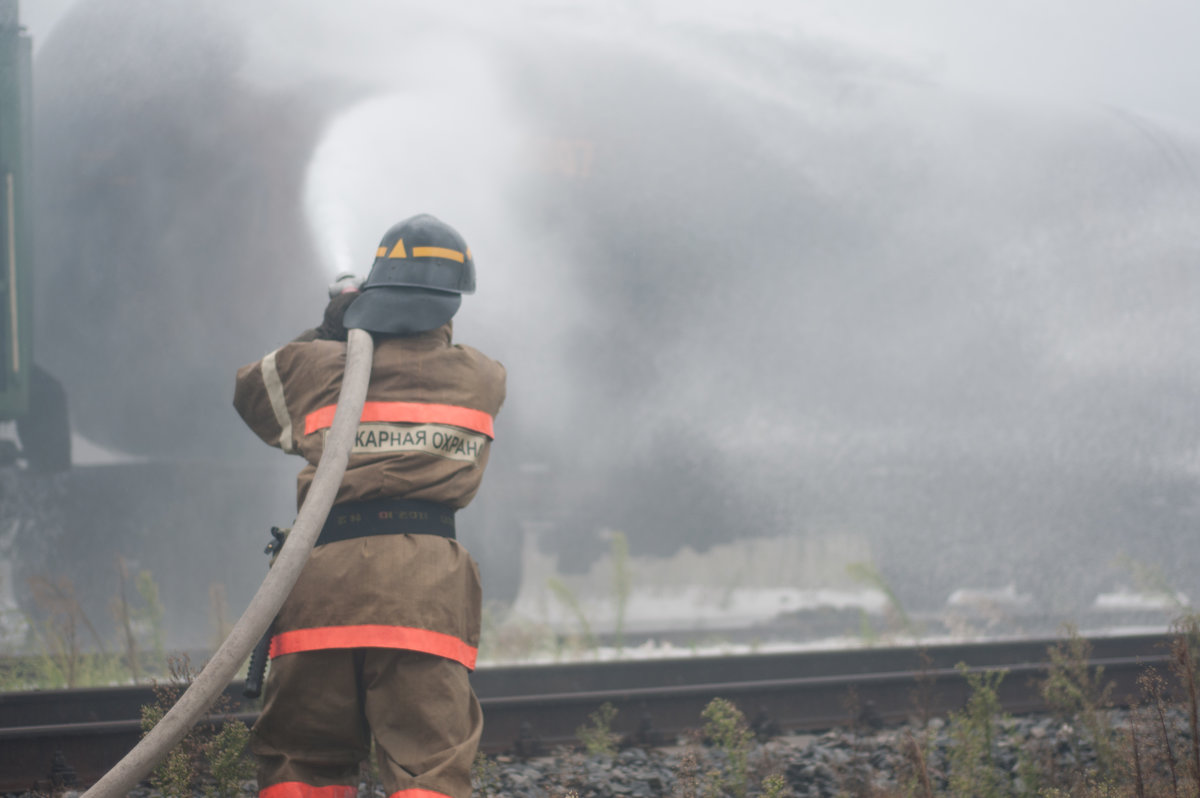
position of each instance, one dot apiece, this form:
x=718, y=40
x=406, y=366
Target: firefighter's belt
x=386, y=517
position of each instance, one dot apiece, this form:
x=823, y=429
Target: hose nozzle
x=345, y=283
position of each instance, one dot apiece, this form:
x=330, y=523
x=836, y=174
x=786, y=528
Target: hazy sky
x=1136, y=54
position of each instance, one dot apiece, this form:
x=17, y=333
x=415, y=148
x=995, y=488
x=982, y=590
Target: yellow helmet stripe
x=398, y=250
x=382, y=251
x=438, y=252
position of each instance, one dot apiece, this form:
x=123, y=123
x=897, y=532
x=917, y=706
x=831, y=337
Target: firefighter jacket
x=425, y=434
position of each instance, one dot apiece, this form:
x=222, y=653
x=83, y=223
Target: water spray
x=219, y=671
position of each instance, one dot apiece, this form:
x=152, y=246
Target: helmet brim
x=401, y=310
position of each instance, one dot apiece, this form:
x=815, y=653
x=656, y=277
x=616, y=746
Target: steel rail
x=531, y=709
x=650, y=716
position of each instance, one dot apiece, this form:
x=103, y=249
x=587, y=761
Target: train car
x=29, y=395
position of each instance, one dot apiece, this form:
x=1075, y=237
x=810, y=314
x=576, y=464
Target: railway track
x=50, y=738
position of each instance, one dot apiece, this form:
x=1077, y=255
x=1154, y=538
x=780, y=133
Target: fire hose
x=261, y=611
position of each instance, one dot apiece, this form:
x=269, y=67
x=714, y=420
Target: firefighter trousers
x=322, y=708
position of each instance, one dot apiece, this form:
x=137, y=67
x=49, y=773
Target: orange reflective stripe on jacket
x=410, y=413
x=298, y=789
x=374, y=636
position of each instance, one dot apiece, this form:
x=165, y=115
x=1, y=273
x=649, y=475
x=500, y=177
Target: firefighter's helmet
x=422, y=268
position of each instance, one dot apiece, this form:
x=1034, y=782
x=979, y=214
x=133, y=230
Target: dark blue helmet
x=422, y=268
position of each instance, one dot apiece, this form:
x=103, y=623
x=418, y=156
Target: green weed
x=60, y=632
x=915, y=780
x=173, y=778
x=1150, y=579
x=218, y=614
x=726, y=726
x=1156, y=745
x=867, y=574
x=775, y=786
x=599, y=739
x=71, y=653
x=225, y=754
x=622, y=583
x=1185, y=665
x=151, y=613
x=972, y=766
x=124, y=615
x=571, y=602
x=687, y=776
x=1079, y=696
x=210, y=758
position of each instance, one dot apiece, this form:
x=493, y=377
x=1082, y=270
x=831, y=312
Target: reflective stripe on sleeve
x=411, y=413
x=374, y=636
x=278, y=405
x=298, y=789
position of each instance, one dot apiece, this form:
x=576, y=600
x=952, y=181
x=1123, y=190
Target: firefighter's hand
x=331, y=328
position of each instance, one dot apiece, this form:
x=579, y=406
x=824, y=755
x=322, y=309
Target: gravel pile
x=820, y=766
x=810, y=766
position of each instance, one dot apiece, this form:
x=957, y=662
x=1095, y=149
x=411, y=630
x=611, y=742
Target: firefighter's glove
x=331, y=328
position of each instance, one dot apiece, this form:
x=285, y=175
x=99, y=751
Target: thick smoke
x=746, y=282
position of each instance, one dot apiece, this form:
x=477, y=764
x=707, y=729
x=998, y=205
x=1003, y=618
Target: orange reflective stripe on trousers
x=297, y=789
x=374, y=636
x=417, y=792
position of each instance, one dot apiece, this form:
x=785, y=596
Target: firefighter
x=380, y=632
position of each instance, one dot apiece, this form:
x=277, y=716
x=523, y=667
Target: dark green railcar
x=28, y=394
